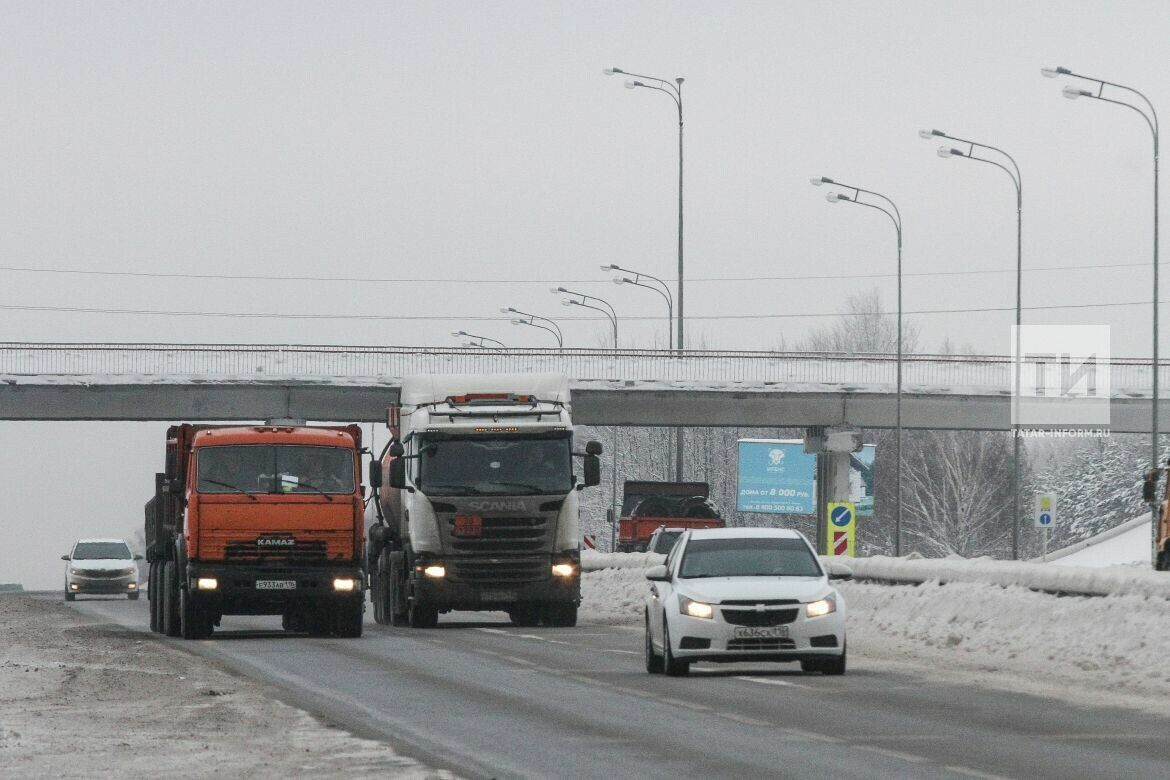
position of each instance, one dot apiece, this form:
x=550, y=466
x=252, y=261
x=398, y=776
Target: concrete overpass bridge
x=171, y=382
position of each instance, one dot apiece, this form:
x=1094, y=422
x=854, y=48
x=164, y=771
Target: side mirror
x=396, y=449
x=592, y=468
x=398, y=474
x=64, y=557
x=658, y=574
x=593, y=448
x=137, y=557
x=174, y=487
x=375, y=473
x=1150, y=487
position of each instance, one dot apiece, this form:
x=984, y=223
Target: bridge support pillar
x=832, y=471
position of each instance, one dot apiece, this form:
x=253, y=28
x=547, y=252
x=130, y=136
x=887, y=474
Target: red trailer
x=648, y=505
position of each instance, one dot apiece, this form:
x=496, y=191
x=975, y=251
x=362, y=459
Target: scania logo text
x=496, y=506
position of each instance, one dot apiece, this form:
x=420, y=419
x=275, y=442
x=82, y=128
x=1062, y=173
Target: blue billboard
x=776, y=477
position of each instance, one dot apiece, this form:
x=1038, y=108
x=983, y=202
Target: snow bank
x=1106, y=581
x=1128, y=543
x=615, y=596
x=591, y=560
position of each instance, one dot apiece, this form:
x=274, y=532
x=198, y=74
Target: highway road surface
x=485, y=699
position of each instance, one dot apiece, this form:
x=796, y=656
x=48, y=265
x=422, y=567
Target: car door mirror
x=658, y=574
x=64, y=557
x=137, y=557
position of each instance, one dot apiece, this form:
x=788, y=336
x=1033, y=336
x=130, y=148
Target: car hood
x=716, y=590
x=102, y=564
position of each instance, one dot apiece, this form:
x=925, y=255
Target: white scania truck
x=476, y=501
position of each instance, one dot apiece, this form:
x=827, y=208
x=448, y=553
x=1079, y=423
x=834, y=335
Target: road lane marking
x=516, y=660
x=962, y=770
x=687, y=704
x=539, y=638
x=813, y=736
x=910, y=757
x=767, y=681
x=743, y=719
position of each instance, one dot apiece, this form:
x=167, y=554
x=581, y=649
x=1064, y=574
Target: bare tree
x=864, y=327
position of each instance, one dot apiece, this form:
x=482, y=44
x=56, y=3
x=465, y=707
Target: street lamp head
x=556, y=290
x=567, y=302
x=506, y=310
x=1051, y=73
x=631, y=84
x=928, y=134
x=622, y=280
x=518, y=322
x=611, y=71
x=610, y=267
x=817, y=181
x=1072, y=93
x=949, y=151
x=834, y=197
x=679, y=80
x=458, y=333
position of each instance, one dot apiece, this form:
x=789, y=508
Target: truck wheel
x=194, y=621
x=560, y=615
x=524, y=615
x=1163, y=562
x=319, y=623
x=170, y=601
x=152, y=595
x=349, y=620
x=132, y=596
x=378, y=598
x=395, y=603
x=420, y=616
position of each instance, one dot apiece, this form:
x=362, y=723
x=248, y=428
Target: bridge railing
x=258, y=362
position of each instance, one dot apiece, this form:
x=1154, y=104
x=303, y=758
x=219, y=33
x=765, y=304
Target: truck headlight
x=343, y=583
x=435, y=571
x=822, y=607
x=207, y=583
x=695, y=608
x=563, y=569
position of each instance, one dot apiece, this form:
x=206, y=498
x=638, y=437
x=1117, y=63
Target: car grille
x=768, y=617
x=503, y=534
x=499, y=570
x=761, y=644
x=754, y=602
x=299, y=552
x=102, y=574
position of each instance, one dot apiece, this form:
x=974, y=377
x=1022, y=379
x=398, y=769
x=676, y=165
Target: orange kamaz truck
x=257, y=520
x=1162, y=533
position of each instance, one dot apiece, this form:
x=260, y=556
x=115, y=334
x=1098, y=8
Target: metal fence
x=975, y=374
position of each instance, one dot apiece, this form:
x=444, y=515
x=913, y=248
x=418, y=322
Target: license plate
x=468, y=526
x=771, y=632
x=276, y=584
x=498, y=595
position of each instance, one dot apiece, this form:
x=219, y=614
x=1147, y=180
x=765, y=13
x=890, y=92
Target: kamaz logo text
x=276, y=542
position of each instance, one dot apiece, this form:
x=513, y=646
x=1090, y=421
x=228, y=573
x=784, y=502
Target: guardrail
x=978, y=374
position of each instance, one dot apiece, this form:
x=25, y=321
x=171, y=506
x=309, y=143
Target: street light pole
x=895, y=217
x=555, y=330
x=673, y=90
x=664, y=291
x=463, y=333
x=1151, y=119
x=1013, y=173
x=612, y=315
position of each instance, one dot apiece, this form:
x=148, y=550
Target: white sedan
x=743, y=594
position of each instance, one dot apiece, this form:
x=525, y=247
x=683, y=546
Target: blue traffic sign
x=841, y=516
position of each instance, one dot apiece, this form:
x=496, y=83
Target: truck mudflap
x=264, y=590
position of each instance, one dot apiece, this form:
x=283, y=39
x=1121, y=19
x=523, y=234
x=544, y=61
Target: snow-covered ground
x=1099, y=650
x=81, y=700
x=1127, y=544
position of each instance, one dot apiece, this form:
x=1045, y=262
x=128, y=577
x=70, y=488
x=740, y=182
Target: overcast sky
x=478, y=147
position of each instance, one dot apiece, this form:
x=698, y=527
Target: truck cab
x=481, y=506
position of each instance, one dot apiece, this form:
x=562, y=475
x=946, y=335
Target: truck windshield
x=96, y=551
x=748, y=557
x=496, y=466
x=275, y=469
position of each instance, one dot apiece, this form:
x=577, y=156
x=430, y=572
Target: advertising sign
x=861, y=480
x=776, y=476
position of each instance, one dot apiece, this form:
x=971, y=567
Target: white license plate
x=498, y=595
x=276, y=584
x=771, y=632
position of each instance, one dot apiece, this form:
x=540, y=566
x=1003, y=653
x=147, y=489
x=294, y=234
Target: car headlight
x=130, y=570
x=695, y=608
x=822, y=607
x=75, y=571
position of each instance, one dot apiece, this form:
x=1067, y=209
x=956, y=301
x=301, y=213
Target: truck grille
x=499, y=570
x=750, y=617
x=300, y=552
x=503, y=534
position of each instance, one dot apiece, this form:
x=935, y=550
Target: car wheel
x=69, y=595
x=672, y=666
x=653, y=660
x=832, y=665
x=132, y=596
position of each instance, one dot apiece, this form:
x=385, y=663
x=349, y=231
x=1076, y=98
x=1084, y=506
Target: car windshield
x=94, y=551
x=748, y=557
x=534, y=466
x=275, y=469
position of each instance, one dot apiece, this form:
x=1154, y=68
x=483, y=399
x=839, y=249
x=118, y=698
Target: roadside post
x=840, y=528
x=1044, y=518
